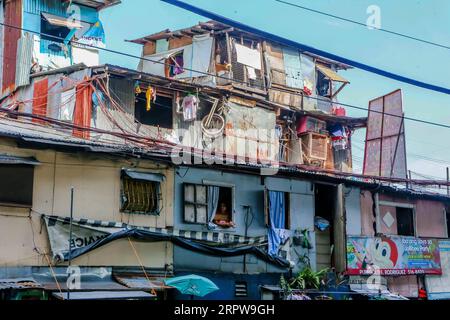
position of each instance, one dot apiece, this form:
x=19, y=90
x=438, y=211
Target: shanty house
x=302, y=88
x=39, y=35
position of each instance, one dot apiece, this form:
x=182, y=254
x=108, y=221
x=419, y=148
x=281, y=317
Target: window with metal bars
x=240, y=71
x=140, y=197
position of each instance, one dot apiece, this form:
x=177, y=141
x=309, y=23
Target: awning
x=363, y=289
x=104, y=295
x=6, y=159
x=61, y=21
x=330, y=74
x=141, y=282
x=19, y=283
x=146, y=176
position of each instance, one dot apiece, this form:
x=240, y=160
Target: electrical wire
x=447, y=126
x=364, y=24
x=303, y=47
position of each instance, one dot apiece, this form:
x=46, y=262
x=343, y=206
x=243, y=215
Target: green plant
x=308, y=279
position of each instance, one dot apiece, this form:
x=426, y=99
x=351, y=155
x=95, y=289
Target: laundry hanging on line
x=190, y=105
x=150, y=95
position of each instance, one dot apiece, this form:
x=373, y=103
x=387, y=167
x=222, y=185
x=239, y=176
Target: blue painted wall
x=249, y=190
x=353, y=211
x=32, y=10
x=226, y=284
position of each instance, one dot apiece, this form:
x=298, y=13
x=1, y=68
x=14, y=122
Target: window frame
x=31, y=198
x=195, y=203
x=410, y=206
x=287, y=213
x=158, y=193
x=208, y=183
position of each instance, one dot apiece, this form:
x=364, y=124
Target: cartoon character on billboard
x=384, y=253
x=381, y=253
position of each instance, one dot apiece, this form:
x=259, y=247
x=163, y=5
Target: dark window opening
x=224, y=212
x=405, y=221
x=160, y=113
x=176, y=65
x=325, y=199
x=323, y=85
x=16, y=185
x=447, y=215
x=287, y=210
x=52, y=32
x=139, y=196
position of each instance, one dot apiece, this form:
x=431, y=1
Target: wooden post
x=448, y=180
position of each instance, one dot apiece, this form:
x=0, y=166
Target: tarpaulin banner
x=88, y=235
x=95, y=36
x=438, y=287
x=392, y=256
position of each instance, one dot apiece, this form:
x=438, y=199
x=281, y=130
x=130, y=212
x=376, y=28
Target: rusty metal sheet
x=141, y=282
x=385, y=153
x=13, y=16
x=243, y=137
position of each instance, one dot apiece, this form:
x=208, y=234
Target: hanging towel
x=190, y=105
x=150, y=95
x=277, y=215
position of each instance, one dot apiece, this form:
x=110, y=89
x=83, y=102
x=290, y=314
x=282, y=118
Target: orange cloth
x=83, y=111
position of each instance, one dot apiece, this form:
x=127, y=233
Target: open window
x=329, y=83
x=447, y=220
x=277, y=209
x=405, y=221
x=396, y=218
x=55, y=30
x=141, y=192
x=208, y=205
x=157, y=112
x=175, y=64
x=16, y=181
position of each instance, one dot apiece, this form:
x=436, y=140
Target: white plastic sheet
x=249, y=57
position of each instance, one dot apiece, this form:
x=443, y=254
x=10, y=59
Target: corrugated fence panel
x=13, y=16
x=57, y=7
x=24, y=57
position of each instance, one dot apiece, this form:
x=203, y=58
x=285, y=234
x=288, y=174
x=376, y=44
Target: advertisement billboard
x=393, y=256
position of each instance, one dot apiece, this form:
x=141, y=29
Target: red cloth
x=422, y=294
x=83, y=111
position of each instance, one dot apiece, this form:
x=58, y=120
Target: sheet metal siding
x=2, y=20
x=248, y=191
x=24, y=60
x=353, y=211
x=13, y=16
x=56, y=7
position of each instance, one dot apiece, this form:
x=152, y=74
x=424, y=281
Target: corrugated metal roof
x=142, y=283
x=104, y=295
x=19, y=283
x=7, y=159
x=330, y=74
x=24, y=60
x=61, y=21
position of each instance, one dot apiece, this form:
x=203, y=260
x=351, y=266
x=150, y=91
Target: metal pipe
x=70, y=237
x=448, y=180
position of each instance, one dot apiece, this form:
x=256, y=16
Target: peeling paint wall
x=96, y=179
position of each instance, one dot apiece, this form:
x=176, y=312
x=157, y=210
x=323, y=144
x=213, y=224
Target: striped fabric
x=219, y=238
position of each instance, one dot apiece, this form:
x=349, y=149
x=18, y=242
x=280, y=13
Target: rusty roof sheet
x=141, y=282
x=19, y=283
